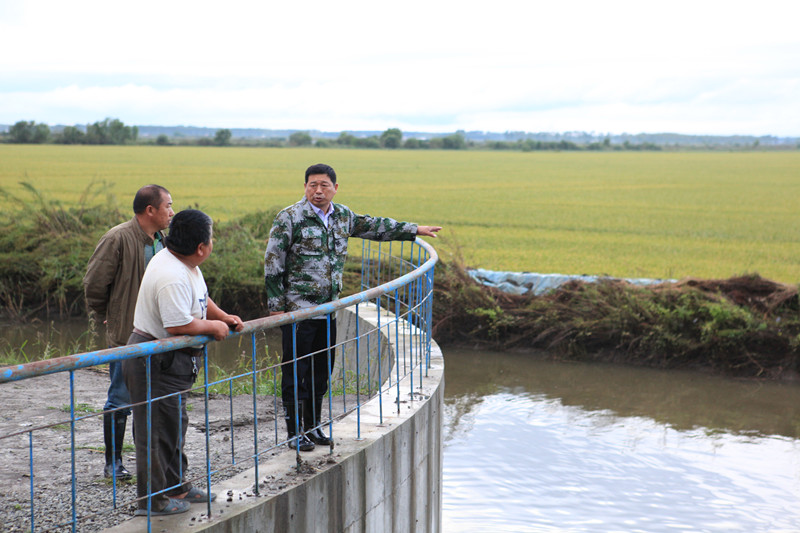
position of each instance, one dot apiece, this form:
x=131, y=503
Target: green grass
x=655, y=214
x=80, y=408
x=110, y=481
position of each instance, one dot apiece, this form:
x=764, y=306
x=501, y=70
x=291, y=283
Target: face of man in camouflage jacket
x=304, y=259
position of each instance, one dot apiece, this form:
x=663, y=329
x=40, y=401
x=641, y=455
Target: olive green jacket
x=304, y=260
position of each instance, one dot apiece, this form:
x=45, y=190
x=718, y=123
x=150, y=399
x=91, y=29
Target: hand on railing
x=234, y=322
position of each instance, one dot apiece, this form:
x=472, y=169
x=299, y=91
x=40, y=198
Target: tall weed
x=44, y=249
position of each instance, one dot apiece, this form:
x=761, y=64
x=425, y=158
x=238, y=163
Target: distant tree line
x=109, y=131
x=114, y=131
x=29, y=132
x=393, y=139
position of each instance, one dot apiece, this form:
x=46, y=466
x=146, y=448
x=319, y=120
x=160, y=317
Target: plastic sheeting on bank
x=525, y=282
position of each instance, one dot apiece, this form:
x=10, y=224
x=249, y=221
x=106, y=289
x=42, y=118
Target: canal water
x=37, y=340
x=533, y=445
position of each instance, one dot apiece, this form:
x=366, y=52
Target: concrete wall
x=389, y=479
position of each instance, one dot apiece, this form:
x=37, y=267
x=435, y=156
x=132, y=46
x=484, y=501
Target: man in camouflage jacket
x=303, y=267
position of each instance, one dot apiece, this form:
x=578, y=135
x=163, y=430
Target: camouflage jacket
x=304, y=260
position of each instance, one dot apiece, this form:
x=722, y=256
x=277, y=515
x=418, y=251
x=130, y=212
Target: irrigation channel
x=533, y=445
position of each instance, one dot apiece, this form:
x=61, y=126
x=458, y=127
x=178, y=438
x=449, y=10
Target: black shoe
x=318, y=437
x=122, y=472
x=302, y=442
x=311, y=421
x=114, y=440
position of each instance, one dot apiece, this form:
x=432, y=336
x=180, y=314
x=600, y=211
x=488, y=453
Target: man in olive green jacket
x=111, y=285
x=303, y=267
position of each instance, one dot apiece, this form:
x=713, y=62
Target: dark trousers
x=170, y=372
x=312, y=372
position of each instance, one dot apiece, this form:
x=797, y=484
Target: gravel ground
x=43, y=402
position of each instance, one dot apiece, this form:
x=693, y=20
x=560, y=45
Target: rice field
x=627, y=214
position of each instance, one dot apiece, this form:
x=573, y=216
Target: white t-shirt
x=171, y=295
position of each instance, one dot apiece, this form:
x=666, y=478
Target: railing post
x=296, y=400
x=30, y=456
x=208, y=429
x=396, y=346
x=380, y=350
x=358, y=365
x=329, y=354
x=255, y=410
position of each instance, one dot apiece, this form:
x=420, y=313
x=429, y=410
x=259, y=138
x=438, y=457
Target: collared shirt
x=152, y=249
x=323, y=216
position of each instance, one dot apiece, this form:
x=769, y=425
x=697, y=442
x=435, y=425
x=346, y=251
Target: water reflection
x=533, y=445
x=235, y=353
x=680, y=399
x=36, y=340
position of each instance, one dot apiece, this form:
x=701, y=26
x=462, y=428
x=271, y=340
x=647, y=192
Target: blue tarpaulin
x=526, y=282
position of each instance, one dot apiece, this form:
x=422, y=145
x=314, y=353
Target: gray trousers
x=170, y=372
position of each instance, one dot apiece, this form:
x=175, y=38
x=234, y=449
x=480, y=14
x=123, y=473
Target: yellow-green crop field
x=627, y=214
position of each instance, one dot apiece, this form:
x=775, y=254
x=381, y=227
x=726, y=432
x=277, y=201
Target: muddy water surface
x=533, y=445
x=44, y=339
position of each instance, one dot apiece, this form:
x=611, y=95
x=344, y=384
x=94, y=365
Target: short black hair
x=321, y=168
x=188, y=229
x=148, y=195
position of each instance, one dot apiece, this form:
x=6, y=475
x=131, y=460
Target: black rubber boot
x=296, y=442
x=311, y=423
x=114, y=445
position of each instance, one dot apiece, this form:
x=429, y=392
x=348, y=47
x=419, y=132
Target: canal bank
x=744, y=326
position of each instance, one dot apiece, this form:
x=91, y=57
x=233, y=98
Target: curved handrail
x=99, y=357
x=415, y=321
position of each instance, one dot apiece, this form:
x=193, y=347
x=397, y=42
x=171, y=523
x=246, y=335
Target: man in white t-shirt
x=173, y=300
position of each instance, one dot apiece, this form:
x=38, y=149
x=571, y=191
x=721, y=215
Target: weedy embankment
x=742, y=326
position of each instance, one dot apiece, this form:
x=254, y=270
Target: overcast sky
x=695, y=67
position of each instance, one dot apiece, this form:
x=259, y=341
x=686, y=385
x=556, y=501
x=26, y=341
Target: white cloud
x=690, y=67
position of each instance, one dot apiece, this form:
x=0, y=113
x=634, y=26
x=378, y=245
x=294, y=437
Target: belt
x=194, y=352
x=143, y=334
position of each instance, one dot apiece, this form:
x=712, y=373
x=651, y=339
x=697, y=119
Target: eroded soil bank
x=744, y=326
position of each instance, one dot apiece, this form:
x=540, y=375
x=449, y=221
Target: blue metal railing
x=397, y=289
